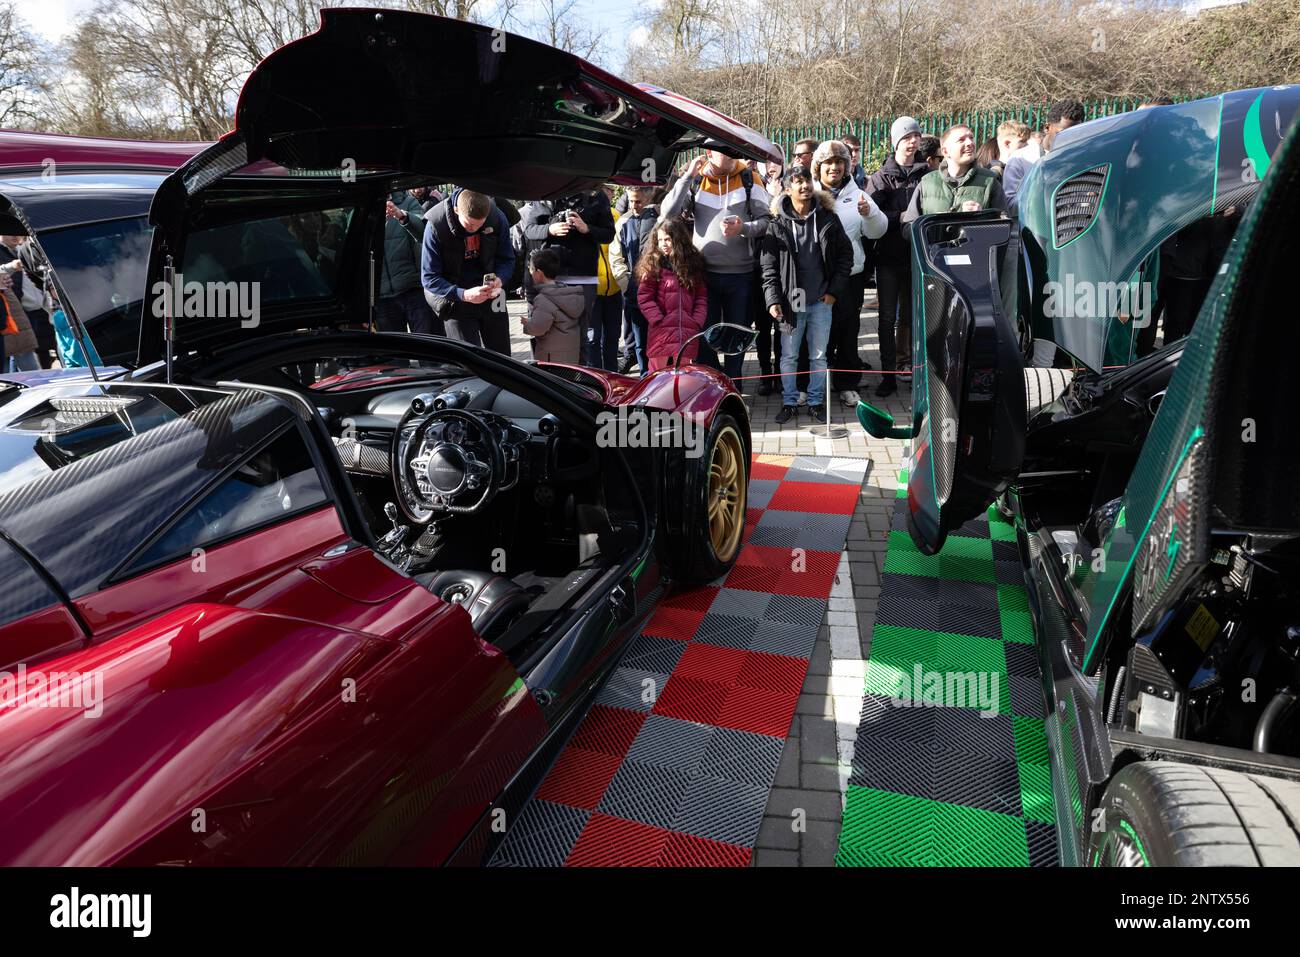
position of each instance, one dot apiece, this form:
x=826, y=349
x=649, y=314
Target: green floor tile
x=883, y=829
x=962, y=559
x=1013, y=598
x=1031, y=740
x=1017, y=626
x=1036, y=793
x=896, y=651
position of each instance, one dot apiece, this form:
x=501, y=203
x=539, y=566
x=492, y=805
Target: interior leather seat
x=493, y=601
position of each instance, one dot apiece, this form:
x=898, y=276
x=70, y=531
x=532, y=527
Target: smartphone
x=570, y=215
x=489, y=278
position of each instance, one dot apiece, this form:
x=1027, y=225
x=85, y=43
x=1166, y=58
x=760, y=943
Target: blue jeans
x=603, y=332
x=640, y=331
x=407, y=311
x=815, y=321
x=728, y=302
x=27, y=362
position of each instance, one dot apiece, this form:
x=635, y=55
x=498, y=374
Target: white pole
x=828, y=400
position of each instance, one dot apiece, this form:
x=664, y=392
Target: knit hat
x=902, y=126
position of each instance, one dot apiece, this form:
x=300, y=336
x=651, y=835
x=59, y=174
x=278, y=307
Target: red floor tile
x=784, y=571
x=613, y=842
x=711, y=663
x=687, y=850
x=691, y=700
x=677, y=623
x=608, y=730
x=773, y=672
x=767, y=471
x=694, y=599
x=579, y=778
x=757, y=710
x=825, y=497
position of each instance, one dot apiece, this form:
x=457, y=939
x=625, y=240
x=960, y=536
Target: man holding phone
x=575, y=227
x=728, y=207
x=466, y=249
x=959, y=185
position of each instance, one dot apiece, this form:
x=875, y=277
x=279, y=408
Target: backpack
x=746, y=180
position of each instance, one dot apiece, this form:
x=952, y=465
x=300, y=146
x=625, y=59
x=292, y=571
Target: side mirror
x=880, y=423
x=724, y=338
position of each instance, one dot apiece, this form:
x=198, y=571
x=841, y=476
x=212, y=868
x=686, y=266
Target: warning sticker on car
x=1202, y=627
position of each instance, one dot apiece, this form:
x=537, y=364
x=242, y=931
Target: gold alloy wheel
x=727, y=493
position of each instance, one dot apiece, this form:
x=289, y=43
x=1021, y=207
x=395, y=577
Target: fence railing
x=874, y=131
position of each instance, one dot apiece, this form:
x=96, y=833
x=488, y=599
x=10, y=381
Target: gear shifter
x=395, y=538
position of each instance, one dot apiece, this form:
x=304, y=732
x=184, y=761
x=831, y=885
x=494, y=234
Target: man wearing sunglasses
x=856, y=171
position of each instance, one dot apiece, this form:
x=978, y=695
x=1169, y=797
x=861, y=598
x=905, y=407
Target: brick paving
x=802, y=819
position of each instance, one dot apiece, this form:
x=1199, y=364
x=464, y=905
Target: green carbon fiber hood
x=1180, y=431
x=1147, y=174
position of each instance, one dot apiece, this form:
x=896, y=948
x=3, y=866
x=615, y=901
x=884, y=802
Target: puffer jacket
x=891, y=187
x=552, y=321
x=673, y=313
x=24, y=340
x=401, y=267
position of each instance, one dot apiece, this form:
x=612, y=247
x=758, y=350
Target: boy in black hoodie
x=806, y=261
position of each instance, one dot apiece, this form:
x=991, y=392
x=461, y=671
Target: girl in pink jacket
x=671, y=293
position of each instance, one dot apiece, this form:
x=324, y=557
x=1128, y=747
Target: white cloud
x=54, y=19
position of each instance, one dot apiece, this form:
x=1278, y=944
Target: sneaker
x=766, y=386
x=803, y=399
x=785, y=415
x=887, y=386
x=849, y=398
x=817, y=413
x=905, y=373
x=627, y=364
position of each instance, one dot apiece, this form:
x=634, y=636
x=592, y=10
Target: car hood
x=1112, y=189
x=426, y=99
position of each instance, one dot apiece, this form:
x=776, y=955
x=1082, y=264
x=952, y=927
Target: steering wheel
x=449, y=463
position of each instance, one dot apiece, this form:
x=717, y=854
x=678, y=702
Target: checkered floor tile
x=950, y=763
x=674, y=763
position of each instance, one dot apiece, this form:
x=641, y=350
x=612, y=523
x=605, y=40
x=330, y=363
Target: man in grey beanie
x=891, y=188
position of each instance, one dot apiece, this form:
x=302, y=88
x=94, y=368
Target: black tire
x=1164, y=814
x=696, y=559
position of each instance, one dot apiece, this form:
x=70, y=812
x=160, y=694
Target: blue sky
x=55, y=19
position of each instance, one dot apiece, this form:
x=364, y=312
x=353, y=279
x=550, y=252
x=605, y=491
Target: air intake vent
x=1077, y=202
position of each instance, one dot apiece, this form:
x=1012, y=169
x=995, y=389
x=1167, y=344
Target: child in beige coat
x=553, y=318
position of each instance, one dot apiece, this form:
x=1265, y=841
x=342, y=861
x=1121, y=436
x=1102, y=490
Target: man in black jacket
x=806, y=261
x=466, y=259
x=575, y=227
x=891, y=187
x=401, y=306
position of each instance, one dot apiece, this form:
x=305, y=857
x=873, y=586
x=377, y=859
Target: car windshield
x=294, y=256
x=101, y=267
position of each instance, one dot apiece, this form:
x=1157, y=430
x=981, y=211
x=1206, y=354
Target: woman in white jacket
x=864, y=222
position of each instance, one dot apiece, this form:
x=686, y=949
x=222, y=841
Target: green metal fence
x=874, y=132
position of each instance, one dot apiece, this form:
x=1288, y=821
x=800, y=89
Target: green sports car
x=1153, y=490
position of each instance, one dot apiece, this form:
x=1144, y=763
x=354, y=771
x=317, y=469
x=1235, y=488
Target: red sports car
x=295, y=592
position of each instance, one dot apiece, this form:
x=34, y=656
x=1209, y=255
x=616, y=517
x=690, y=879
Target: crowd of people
x=624, y=282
